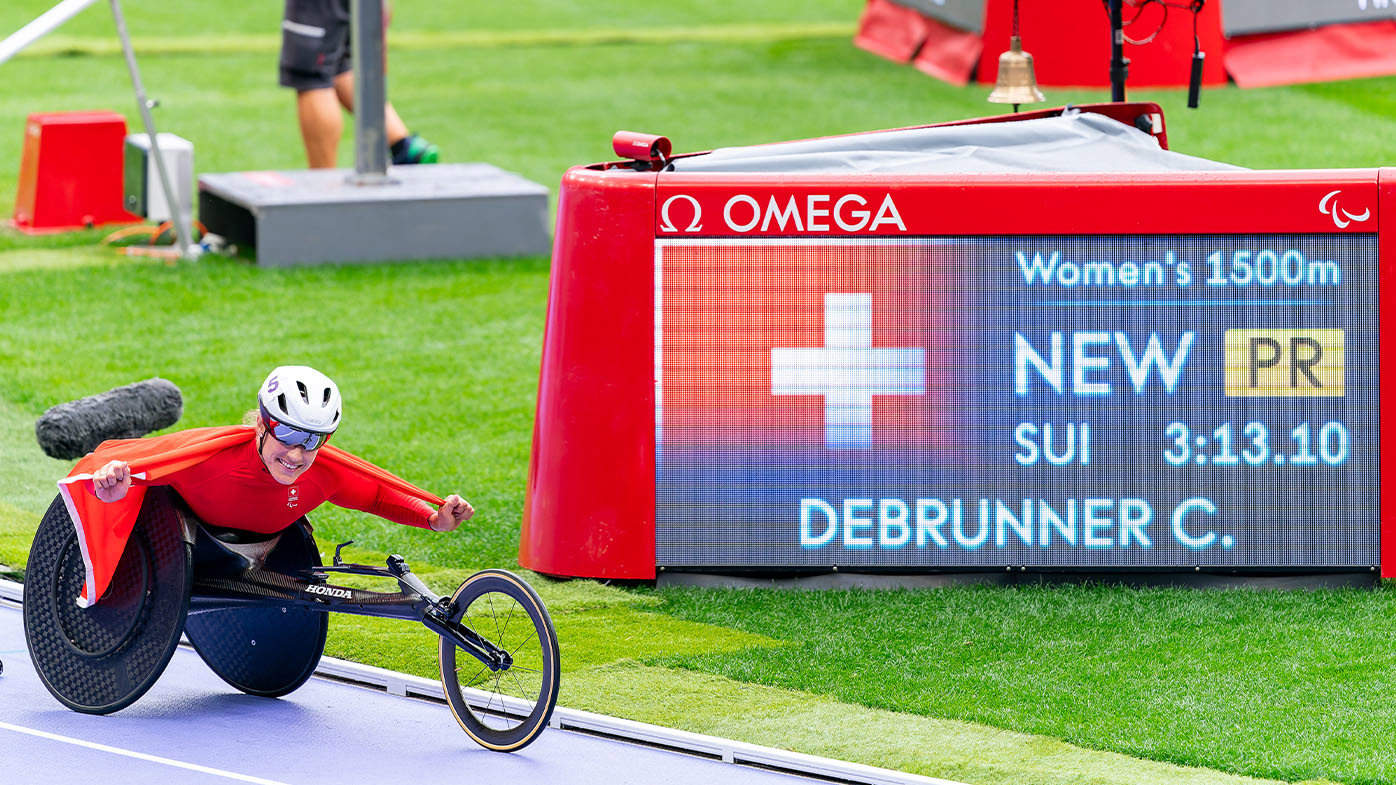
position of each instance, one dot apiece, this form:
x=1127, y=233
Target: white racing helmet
x=300, y=397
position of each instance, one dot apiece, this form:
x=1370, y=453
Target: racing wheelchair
x=256, y=609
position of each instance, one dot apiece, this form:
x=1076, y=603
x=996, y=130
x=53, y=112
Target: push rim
x=101, y=659
x=106, y=627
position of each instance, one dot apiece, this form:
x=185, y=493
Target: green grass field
x=1030, y=686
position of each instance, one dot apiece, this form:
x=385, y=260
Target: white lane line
x=138, y=755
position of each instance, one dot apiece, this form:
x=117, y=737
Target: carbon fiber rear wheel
x=101, y=659
x=268, y=650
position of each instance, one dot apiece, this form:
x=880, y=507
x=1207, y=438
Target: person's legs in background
x=316, y=60
x=314, y=48
x=321, y=126
x=405, y=146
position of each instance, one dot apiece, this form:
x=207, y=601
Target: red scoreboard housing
x=931, y=342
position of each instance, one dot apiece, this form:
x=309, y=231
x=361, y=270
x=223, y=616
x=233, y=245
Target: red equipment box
x=752, y=366
x=70, y=173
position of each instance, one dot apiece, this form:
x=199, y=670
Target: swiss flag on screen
x=798, y=344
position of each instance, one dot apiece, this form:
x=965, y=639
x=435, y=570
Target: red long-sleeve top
x=221, y=477
x=233, y=489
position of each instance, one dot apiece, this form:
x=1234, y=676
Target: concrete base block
x=319, y=216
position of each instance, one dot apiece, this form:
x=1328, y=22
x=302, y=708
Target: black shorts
x=314, y=43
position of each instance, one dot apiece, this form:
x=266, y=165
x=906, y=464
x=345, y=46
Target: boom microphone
x=72, y=430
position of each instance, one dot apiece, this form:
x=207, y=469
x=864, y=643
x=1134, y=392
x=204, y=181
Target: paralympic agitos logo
x=1328, y=205
x=785, y=214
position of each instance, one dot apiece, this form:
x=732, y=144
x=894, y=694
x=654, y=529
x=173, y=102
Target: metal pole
x=1119, y=66
x=44, y=24
x=370, y=93
x=180, y=219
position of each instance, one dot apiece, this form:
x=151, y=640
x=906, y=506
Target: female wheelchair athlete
x=255, y=607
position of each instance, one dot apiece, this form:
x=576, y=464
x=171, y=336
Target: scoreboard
x=1048, y=401
x=912, y=373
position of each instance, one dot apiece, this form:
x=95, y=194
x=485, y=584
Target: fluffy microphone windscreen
x=73, y=429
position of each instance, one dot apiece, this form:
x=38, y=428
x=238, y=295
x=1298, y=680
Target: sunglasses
x=295, y=437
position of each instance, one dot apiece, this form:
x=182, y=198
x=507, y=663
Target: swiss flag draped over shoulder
x=103, y=528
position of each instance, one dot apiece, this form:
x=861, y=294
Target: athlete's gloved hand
x=453, y=512
x=111, y=482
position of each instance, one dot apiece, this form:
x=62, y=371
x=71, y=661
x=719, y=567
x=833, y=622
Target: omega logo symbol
x=800, y=213
x=667, y=224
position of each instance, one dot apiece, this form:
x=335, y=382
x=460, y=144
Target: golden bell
x=1016, y=83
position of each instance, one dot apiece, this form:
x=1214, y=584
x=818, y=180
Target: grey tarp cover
x=1072, y=142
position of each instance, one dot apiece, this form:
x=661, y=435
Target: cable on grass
x=153, y=236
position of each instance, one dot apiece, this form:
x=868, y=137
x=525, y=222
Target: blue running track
x=192, y=728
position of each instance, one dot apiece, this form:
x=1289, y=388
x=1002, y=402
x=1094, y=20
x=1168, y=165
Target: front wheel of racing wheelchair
x=505, y=702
